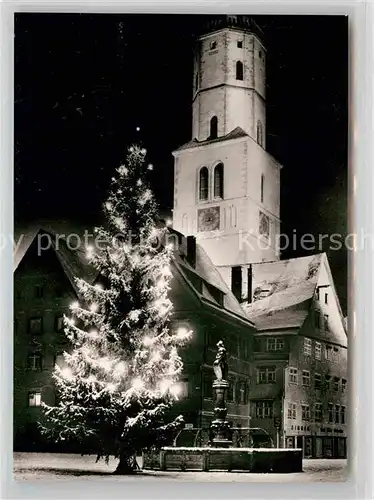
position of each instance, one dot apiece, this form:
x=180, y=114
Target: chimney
x=249, y=284
x=191, y=250
x=236, y=282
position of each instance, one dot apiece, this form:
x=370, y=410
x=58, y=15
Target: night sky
x=83, y=83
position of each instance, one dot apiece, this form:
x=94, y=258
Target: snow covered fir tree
x=121, y=376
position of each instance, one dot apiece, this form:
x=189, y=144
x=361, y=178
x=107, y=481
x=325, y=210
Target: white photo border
x=361, y=325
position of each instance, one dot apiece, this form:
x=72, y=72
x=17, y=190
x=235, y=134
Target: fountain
x=221, y=455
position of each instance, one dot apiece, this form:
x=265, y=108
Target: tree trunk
x=127, y=465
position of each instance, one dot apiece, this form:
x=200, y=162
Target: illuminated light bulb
x=134, y=316
x=156, y=356
x=163, y=310
x=136, y=259
x=94, y=307
x=176, y=390
x=147, y=341
x=105, y=364
x=108, y=205
x=131, y=149
x=139, y=182
x=70, y=321
x=93, y=334
x=119, y=191
x=120, y=369
x=98, y=286
x=89, y=248
x=123, y=170
x=169, y=222
x=183, y=333
x=150, y=166
x=137, y=383
x=160, y=284
x=137, y=129
x=118, y=221
x=158, y=303
x=165, y=271
x=154, y=233
x=143, y=151
x=67, y=373
x=164, y=385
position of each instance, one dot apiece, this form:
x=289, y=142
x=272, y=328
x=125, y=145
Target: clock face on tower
x=208, y=219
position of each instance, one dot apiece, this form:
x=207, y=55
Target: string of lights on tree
x=121, y=376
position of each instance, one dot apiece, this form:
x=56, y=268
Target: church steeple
x=226, y=186
x=229, y=79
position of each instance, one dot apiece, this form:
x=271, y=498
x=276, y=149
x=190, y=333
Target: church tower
x=226, y=186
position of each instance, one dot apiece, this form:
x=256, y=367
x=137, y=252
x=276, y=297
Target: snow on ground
x=47, y=466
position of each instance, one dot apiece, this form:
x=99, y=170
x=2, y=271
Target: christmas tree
x=121, y=377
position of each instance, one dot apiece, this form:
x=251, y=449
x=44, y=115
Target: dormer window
x=213, y=45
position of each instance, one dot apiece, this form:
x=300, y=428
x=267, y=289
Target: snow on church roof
x=237, y=133
x=282, y=291
x=205, y=269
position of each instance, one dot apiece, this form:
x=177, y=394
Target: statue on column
x=219, y=427
x=220, y=365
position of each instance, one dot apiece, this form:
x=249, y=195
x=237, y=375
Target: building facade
x=299, y=368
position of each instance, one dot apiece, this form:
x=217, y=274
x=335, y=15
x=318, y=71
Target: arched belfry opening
x=218, y=180
x=213, y=130
x=203, y=184
x=239, y=70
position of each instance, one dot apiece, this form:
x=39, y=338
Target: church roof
x=237, y=133
x=208, y=273
x=282, y=292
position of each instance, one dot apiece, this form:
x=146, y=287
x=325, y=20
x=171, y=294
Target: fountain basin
x=256, y=460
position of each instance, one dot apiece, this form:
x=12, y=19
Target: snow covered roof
x=282, y=291
x=73, y=262
x=234, y=134
x=207, y=283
